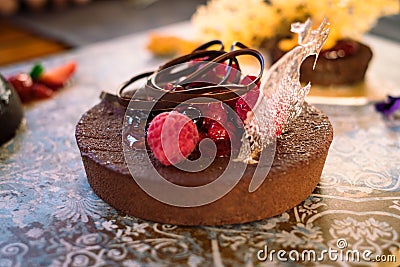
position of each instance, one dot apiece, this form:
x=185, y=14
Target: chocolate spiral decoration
x=185, y=83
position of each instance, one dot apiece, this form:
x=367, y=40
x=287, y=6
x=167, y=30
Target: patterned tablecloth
x=49, y=215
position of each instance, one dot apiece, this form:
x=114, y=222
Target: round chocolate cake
x=190, y=147
x=296, y=169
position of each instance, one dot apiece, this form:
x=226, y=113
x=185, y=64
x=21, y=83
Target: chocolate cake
x=344, y=64
x=144, y=149
x=11, y=112
x=296, y=169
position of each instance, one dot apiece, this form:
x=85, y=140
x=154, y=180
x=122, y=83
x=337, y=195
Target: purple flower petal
x=388, y=107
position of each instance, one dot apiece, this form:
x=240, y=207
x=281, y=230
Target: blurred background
x=34, y=28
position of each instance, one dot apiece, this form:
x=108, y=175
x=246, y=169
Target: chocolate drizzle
x=182, y=79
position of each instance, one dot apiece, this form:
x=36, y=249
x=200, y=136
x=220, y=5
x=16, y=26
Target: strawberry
x=41, y=91
x=57, y=76
x=172, y=137
x=36, y=71
x=22, y=84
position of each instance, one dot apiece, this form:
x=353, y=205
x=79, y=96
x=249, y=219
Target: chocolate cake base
x=346, y=70
x=296, y=170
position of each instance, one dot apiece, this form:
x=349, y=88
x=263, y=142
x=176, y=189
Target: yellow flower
x=248, y=21
x=254, y=21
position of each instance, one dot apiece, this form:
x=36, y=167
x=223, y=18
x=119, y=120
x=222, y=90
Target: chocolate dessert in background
x=344, y=64
x=11, y=112
x=345, y=59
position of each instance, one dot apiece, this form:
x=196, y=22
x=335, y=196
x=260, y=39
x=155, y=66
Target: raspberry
x=221, y=137
x=217, y=74
x=193, y=113
x=222, y=69
x=207, y=149
x=214, y=111
x=217, y=132
x=246, y=103
x=281, y=117
x=248, y=79
x=173, y=87
x=172, y=137
x=341, y=49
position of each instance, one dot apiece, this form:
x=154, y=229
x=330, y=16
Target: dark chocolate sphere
x=11, y=112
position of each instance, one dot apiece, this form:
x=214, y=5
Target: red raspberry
x=207, y=149
x=201, y=59
x=217, y=132
x=248, y=79
x=246, y=103
x=280, y=119
x=169, y=87
x=173, y=87
x=221, y=137
x=214, y=111
x=218, y=73
x=172, y=137
x=222, y=68
x=341, y=49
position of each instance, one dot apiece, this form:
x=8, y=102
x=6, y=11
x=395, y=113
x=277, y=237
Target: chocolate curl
x=224, y=91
